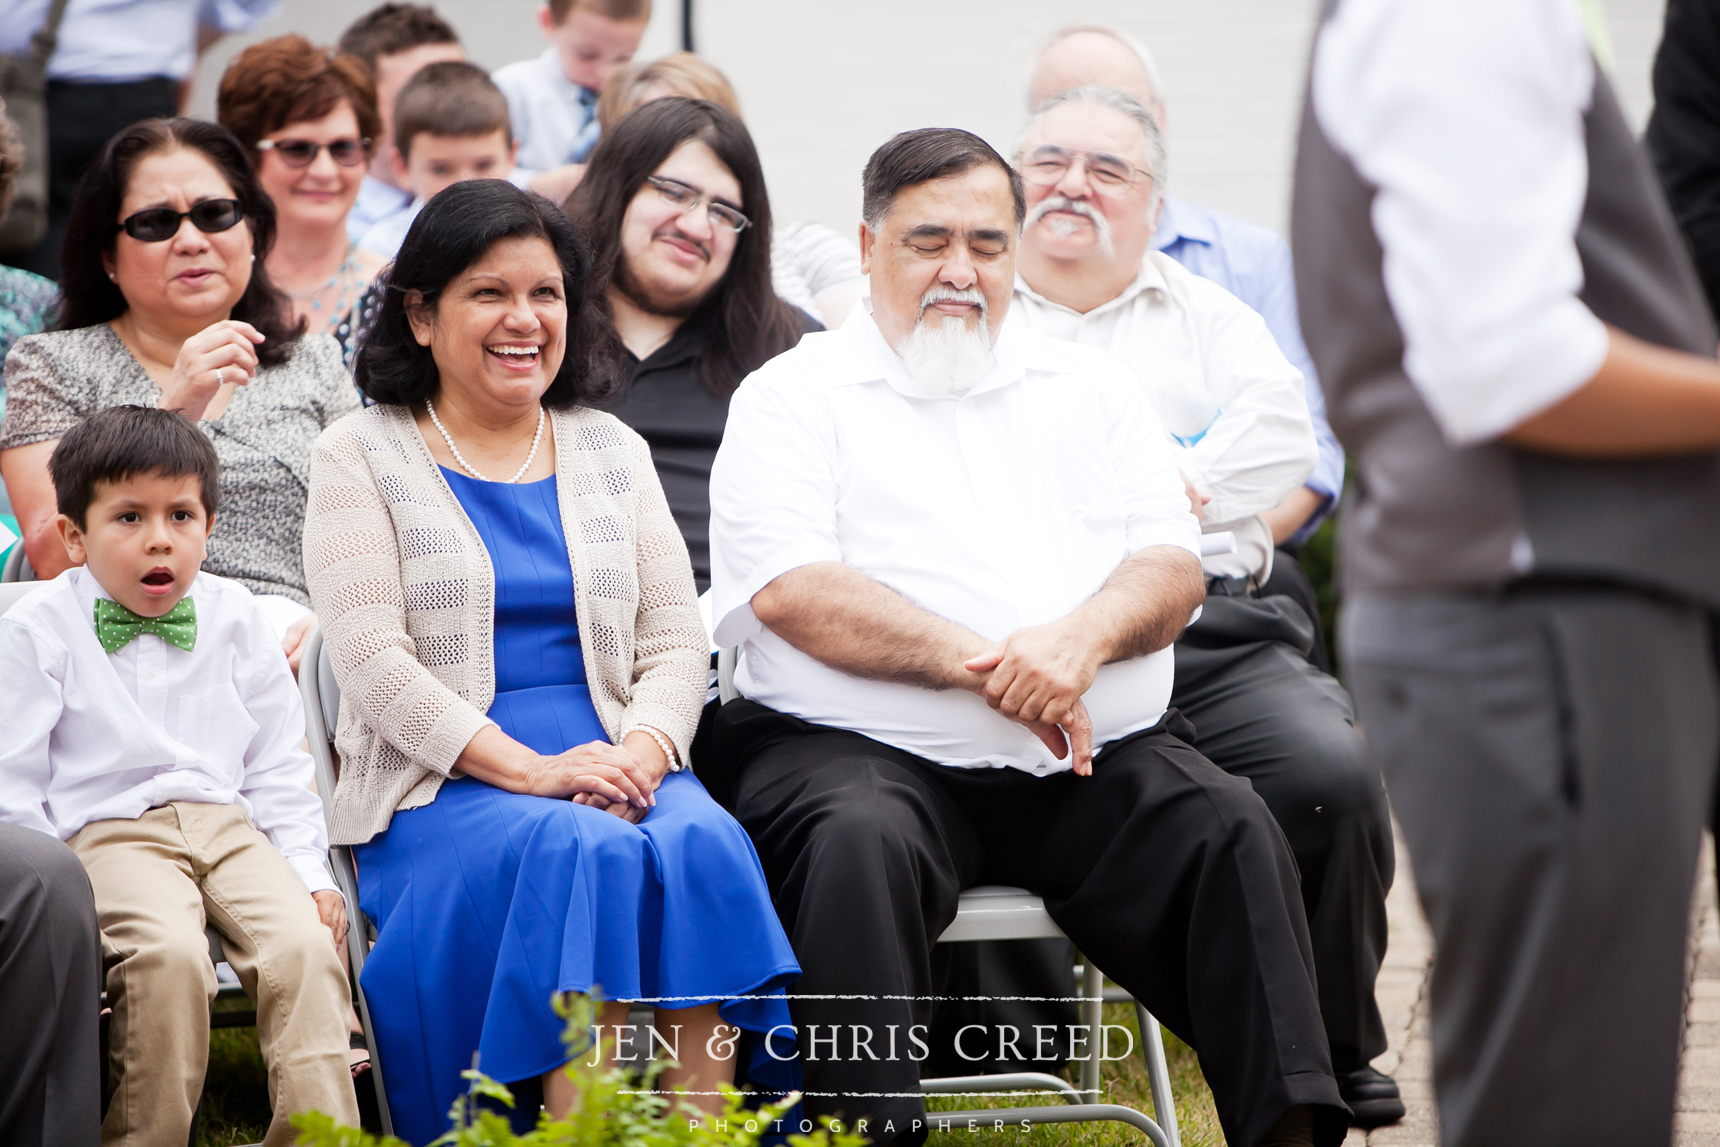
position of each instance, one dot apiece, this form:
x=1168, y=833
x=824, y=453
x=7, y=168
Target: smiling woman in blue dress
x=511, y=615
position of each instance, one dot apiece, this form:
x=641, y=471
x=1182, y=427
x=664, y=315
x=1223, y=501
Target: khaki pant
x=157, y=879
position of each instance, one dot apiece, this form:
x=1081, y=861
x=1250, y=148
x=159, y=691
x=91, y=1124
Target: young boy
x=553, y=98
x=396, y=40
x=151, y=723
x=450, y=124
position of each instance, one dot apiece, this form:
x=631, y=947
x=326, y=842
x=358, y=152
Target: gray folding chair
x=322, y=713
x=993, y=912
x=17, y=567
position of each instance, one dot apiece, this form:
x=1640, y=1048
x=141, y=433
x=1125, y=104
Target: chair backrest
x=17, y=567
x=321, y=694
x=12, y=592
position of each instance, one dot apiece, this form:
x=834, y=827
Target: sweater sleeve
x=671, y=659
x=43, y=401
x=352, y=565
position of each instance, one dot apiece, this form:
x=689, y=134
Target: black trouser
x=81, y=119
x=1550, y=754
x=50, y=991
x=1170, y=874
x=1261, y=712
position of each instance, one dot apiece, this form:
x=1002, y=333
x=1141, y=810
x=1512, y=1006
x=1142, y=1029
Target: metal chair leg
x=1158, y=1075
x=1092, y=1016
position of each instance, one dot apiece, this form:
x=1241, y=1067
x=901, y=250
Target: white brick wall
x=823, y=82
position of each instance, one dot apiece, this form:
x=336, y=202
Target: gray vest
x=1426, y=517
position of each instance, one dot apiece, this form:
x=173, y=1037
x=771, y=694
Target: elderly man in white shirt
x=1233, y=409
x=957, y=554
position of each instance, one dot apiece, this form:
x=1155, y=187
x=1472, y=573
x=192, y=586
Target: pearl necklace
x=467, y=466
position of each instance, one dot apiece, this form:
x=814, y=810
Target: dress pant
x=82, y=117
x=1170, y=874
x=157, y=879
x=1550, y=753
x=50, y=995
x=1263, y=712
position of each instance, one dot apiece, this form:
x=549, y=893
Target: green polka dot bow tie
x=116, y=625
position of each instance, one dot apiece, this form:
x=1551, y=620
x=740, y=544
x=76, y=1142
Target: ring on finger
x=220, y=377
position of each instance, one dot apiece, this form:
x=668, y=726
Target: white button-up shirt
x=86, y=735
x=1231, y=403
x=551, y=115
x=1003, y=508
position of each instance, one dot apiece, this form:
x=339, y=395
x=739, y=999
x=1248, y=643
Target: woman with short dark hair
x=166, y=301
x=511, y=616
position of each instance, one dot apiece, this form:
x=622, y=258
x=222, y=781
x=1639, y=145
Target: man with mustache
x=1093, y=163
x=955, y=553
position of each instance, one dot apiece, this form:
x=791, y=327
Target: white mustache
x=951, y=295
x=1101, y=225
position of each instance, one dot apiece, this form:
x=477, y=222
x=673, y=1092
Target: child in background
x=553, y=98
x=396, y=40
x=450, y=124
x=152, y=723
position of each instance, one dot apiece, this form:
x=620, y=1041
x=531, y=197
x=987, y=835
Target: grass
x=235, y=1088
x=1122, y=1081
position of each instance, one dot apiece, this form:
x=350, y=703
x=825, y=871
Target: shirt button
x=154, y=672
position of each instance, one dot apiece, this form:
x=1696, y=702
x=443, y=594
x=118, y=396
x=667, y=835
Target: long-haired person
x=167, y=302
x=675, y=202
x=308, y=116
x=512, y=619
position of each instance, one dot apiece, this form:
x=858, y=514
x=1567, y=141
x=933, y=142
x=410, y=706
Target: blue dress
x=488, y=903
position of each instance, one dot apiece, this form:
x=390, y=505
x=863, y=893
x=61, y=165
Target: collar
x=550, y=65
x=1149, y=278
x=372, y=190
x=1180, y=220
x=870, y=359
x=685, y=344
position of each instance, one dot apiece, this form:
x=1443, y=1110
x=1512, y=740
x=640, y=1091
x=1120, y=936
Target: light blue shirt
x=387, y=234
x=376, y=201
x=1253, y=263
x=116, y=41
x=554, y=119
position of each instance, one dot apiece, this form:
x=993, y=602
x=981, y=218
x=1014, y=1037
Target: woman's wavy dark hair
x=748, y=324
x=452, y=232
x=89, y=297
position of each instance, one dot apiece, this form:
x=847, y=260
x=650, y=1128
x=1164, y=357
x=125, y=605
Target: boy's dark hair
x=450, y=98
x=453, y=231
x=123, y=441
x=916, y=157
x=389, y=29
x=623, y=10
x=748, y=323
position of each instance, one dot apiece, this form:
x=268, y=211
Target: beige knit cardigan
x=405, y=593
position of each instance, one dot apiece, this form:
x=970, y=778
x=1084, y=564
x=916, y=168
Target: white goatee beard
x=942, y=351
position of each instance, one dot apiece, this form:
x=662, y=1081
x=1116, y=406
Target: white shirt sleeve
x=1467, y=116
x=27, y=721
x=1262, y=444
x=277, y=771
x=1154, y=500
x=773, y=496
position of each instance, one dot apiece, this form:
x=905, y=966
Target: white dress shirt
x=1231, y=404
x=553, y=117
x=86, y=735
x=116, y=41
x=1475, y=144
x=1003, y=508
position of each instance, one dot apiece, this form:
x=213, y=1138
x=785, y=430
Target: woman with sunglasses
x=308, y=116
x=167, y=302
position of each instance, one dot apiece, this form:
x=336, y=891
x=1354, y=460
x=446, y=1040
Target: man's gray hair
x=1131, y=42
x=1118, y=101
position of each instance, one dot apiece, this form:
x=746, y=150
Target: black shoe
x=1372, y=1096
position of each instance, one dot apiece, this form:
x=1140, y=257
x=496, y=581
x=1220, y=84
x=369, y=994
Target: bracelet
x=663, y=743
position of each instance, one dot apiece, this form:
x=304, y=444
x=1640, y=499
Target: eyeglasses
x=686, y=198
x=158, y=224
x=1047, y=164
x=303, y=153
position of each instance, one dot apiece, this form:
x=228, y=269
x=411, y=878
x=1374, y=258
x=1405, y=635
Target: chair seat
x=998, y=912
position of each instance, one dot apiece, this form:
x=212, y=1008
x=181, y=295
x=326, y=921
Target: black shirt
x=668, y=403
x=1684, y=132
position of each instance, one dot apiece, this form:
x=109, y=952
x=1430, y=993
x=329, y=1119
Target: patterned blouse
x=263, y=438
x=26, y=301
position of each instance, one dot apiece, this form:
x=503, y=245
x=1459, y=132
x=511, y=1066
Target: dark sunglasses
x=303, y=153
x=158, y=224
